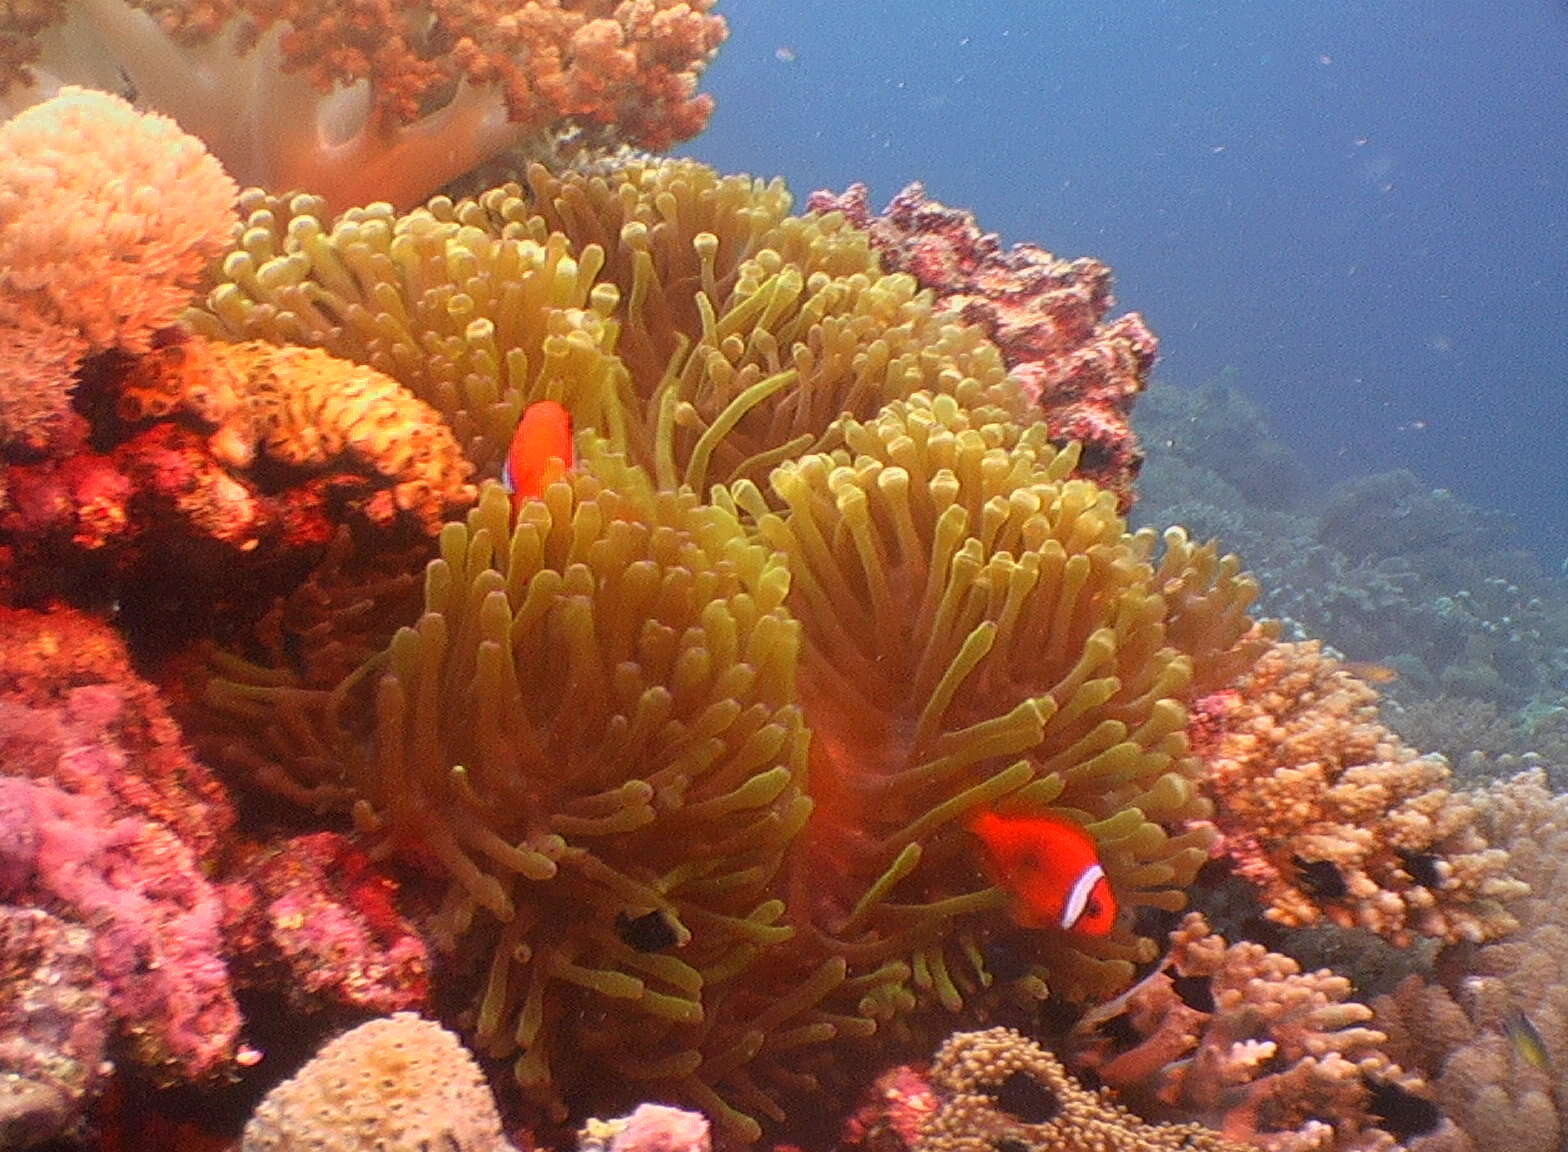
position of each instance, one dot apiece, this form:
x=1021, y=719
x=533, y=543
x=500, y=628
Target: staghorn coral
x=980, y=630
x=385, y=101
x=995, y=1089
x=108, y=217
x=399, y=1084
x=1462, y=1027
x=1334, y=818
x=1239, y=1038
x=1047, y=315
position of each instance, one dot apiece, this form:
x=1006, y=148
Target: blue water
x=1362, y=207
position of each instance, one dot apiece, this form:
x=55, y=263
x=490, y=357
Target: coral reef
x=385, y=102
x=312, y=919
x=1382, y=567
x=1047, y=315
x=996, y=1089
x=229, y=465
x=651, y=1128
x=713, y=344
x=108, y=217
x=1334, y=818
x=1239, y=1038
x=54, y=1027
x=108, y=822
x=1490, y=1030
x=400, y=1084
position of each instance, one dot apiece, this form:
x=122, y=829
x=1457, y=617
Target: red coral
x=315, y=916
x=1047, y=315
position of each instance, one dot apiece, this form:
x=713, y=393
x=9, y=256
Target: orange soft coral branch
x=361, y=100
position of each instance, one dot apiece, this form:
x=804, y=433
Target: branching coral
x=108, y=217
x=385, y=101
x=1241, y=1039
x=980, y=630
x=995, y=1089
x=1334, y=818
x=1472, y=1034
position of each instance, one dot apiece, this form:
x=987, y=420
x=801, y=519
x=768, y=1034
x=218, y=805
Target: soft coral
x=374, y=99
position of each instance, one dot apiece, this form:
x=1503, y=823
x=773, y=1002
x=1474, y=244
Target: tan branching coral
x=108, y=217
x=1335, y=818
x=302, y=408
x=981, y=630
x=1241, y=1039
x=1475, y=1036
x=996, y=1089
x=593, y=729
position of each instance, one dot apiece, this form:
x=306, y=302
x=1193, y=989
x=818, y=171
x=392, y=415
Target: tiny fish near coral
x=1052, y=868
x=544, y=434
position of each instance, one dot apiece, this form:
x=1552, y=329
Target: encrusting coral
x=385, y=101
x=996, y=1089
x=398, y=1084
x=1239, y=1038
x=108, y=217
x=1334, y=818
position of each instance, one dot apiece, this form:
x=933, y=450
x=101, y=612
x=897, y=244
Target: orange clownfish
x=1052, y=868
x=543, y=434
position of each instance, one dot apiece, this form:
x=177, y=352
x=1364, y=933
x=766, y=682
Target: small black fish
x=1321, y=878
x=650, y=932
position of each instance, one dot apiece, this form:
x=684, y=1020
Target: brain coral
x=695, y=733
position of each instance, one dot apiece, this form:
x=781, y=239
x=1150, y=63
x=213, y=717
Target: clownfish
x=543, y=434
x=1051, y=866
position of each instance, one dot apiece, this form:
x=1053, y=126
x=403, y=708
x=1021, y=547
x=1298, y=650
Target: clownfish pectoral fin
x=543, y=434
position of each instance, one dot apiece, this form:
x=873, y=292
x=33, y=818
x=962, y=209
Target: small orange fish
x=1370, y=672
x=543, y=434
x=1052, y=868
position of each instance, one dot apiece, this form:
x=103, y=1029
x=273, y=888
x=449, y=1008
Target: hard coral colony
x=695, y=750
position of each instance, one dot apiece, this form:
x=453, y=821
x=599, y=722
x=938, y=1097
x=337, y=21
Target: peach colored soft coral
x=108, y=216
x=388, y=100
x=1334, y=818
